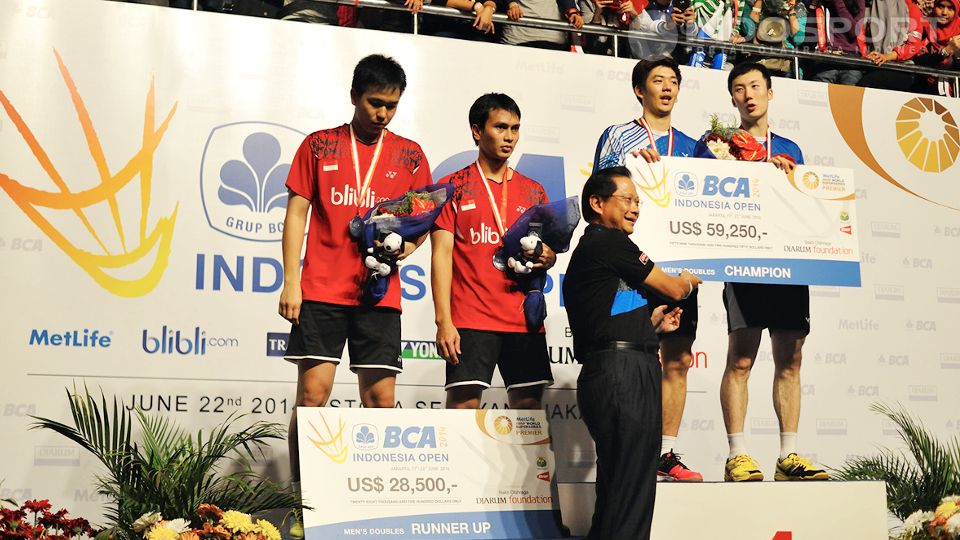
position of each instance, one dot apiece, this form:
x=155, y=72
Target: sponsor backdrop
x=143, y=153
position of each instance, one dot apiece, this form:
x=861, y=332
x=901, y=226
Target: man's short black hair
x=747, y=67
x=378, y=72
x=602, y=185
x=643, y=68
x=481, y=108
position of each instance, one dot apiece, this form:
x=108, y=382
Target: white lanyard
x=362, y=188
x=497, y=212
x=650, y=140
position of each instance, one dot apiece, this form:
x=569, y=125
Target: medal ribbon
x=498, y=213
x=650, y=140
x=362, y=189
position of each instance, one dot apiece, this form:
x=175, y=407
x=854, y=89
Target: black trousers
x=618, y=393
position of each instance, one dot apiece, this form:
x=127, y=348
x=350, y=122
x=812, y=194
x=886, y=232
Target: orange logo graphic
x=154, y=243
x=927, y=135
x=332, y=444
x=502, y=425
x=654, y=188
x=925, y=132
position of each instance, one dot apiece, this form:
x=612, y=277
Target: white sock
x=788, y=444
x=738, y=443
x=667, y=444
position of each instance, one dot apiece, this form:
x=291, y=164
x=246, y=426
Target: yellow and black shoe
x=742, y=468
x=794, y=467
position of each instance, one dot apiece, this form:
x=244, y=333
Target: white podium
x=750, y=511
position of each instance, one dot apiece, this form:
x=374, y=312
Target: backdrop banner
x=140, y=229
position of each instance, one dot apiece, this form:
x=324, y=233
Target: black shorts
x=689, y=317
x=522, y=357
x=758, y=305
x=372, y=335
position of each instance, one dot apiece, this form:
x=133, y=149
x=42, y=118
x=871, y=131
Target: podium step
x=754, y=511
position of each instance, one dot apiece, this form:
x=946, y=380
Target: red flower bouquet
x=730, y=142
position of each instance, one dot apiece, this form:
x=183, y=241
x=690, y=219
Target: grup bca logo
x=243, y=175
x=365, y=437
x=685, y=184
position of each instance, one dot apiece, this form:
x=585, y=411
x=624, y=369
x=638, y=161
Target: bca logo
x=410, y=437
x=685, y=184
x=243, y=176
x=726, y=187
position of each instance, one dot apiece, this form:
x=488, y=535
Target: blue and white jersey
x=619, y=140
x=783, y=145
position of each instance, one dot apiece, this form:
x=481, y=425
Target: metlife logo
x=81, y=339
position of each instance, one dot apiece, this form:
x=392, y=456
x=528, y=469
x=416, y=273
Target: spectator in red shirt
x=944, y=45
x=480, y=320
x=337, y=174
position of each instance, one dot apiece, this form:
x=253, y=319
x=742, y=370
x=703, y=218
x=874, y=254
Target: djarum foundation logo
x=89, y=250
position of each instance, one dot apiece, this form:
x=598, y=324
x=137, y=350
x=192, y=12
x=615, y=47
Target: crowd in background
x=919, y=32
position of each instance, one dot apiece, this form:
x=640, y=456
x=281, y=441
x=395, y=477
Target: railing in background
x=770, y=52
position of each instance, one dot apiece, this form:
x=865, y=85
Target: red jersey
x=482, y=297
x=323, y=173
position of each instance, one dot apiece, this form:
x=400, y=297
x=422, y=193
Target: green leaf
x=168, y=470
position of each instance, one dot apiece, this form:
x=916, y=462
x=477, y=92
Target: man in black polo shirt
x=615, y=338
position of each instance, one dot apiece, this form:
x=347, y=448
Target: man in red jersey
x=479, y=313
x=341, y=173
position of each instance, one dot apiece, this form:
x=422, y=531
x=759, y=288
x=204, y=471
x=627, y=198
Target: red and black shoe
x=671, y=469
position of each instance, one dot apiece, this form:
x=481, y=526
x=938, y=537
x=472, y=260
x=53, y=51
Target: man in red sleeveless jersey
x=340, y=173
x=479, y=313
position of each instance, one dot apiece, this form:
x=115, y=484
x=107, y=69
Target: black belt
x=623, y=346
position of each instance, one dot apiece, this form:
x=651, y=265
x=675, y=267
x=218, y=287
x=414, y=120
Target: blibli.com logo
x=190, y=343
x=243, y=176
x=486, y=235
x=348, y=197
x=685, y=184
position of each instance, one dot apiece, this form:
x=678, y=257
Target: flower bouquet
x=724, y=141
x=381, y=232
x=551, y=224
x=34, y=520
x=941, y=524
x=209, y=523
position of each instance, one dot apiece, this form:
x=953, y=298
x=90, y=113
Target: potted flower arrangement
x=926, y=476
x=161, y=469
x=209, y=522
x=943, y=523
